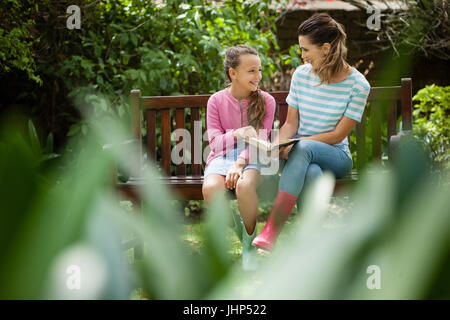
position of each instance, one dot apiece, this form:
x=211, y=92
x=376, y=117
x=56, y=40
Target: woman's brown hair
x=256, y=111
x=320, y=28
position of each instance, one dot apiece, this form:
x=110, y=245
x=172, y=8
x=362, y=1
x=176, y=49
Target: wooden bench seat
x=163, y=114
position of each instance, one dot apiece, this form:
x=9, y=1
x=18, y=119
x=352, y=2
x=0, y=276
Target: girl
x=326, y=100
x=233, y=114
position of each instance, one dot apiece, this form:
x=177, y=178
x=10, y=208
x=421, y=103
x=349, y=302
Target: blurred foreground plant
x=64, y=241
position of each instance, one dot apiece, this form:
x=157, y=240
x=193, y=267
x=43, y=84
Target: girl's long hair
x=321, y=28
x=256, y=111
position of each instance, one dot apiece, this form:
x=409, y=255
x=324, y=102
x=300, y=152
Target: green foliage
x=75, y=220
x=166, y=48
x=417, y=26
x=16, y=40
x=42, y=153
x=293, y=59
x=432, y=121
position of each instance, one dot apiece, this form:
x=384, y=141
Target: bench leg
x=139, y=245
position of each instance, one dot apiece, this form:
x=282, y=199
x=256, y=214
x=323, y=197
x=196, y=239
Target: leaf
x=134, y=39
x=49, y=144
x=34, y=140
x=99, y=79
x=143, y=75
x=124, y=38
x=74, y=130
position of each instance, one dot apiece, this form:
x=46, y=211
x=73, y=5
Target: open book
x=267, y=146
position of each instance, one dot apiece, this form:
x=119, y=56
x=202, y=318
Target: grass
x=194, y=227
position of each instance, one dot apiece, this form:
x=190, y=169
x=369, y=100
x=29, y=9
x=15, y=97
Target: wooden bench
x=163, y=114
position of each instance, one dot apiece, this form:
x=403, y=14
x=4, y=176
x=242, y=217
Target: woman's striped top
x=322, y=106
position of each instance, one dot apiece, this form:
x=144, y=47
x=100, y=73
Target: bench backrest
x=163, y=114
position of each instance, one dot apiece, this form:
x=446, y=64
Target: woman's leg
x=292, y=179
x=305, y=152
x=248, y=198
x=313, y=172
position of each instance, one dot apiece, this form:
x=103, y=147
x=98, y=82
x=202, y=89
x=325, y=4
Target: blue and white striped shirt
x=322, y=106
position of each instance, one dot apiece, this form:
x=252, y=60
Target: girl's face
x=312, y=53
x=247, y=74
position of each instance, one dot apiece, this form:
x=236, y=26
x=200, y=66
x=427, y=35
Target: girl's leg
x=248, y=198
x=248, y=207
x=212, y=184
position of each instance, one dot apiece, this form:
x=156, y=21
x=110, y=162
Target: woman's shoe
x=281, y=210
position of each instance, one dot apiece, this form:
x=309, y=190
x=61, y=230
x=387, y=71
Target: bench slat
x=165, y=140
x=392, y=123
x=406, y=104
x=164, y=102
x=361, y=158
x=151, y=134
x=375, y=119
x=135, y=108
x=179, y=118
x=196, y=168
x=392, y=119
x=385, y=93
x=282, y=112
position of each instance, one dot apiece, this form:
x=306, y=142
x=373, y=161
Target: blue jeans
x=307, y=160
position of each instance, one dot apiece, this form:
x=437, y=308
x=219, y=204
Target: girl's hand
x=234, y=174
x=284, y=151
x=245, y=132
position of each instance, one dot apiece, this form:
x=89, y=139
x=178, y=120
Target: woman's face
x=248, y=74
x=311, y=53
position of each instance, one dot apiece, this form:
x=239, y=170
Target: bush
x=163, y=49
x=432, y=121
x=417, y=26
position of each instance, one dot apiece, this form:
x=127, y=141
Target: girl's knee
x=210, y=187
x=245, y=185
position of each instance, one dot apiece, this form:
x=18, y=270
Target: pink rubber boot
x=280, y=212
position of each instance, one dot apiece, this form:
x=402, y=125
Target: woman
x=326, y=100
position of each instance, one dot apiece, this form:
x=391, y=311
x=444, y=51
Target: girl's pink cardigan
x=223, y=114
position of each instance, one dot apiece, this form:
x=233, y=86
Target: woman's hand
x=235, y=172
x=245, y=132
x=284, y=151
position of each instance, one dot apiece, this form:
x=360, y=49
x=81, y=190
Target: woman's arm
x=342, y=130
x=290, y=126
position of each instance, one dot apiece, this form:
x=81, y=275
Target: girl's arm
x=219, y=139
x=267, y=126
